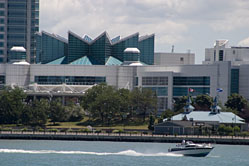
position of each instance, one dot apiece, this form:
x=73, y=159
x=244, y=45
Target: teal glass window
x=1, y=36
x=1, y=52
x=160, y=91
x=1, y=44
x=234, y=81
x=154, y=80
x=77, y=47
x=52, y=47
x=2, y=79
x=2, y=13
x=118, y=48
x=221, y=55
x=183, y=91
x=70, y=80
x=1, y=29
x=2, y=5
x=1, y=20
x=162, y=103
x=191, y=80
x=146, y=47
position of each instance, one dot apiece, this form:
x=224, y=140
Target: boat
x=188, y=148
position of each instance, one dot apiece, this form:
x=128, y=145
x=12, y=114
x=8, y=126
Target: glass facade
x=221, y=55
x=183, y=91
x=77, y=47
x=154, y=81
x=69, y=80
x=100, y=50
x=2, y=80
x=160, y=91
x=22, y=24
x=191, y=81
x=146, y=47
x=52, y=47
x=119, y=47
x=234, y=81
x=131, y=57
x=162, y=104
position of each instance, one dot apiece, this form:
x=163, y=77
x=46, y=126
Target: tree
x=151, y=122
x=35, y=113
x=101, y=102
x=74, y=113
x=236, y=102
x=203, y=102
x=124, y=100
x=144, y=101
x=11, y=105
x=167, y=114
x=180, y=103
x=56, y=111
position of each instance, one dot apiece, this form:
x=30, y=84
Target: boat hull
x=195, y=152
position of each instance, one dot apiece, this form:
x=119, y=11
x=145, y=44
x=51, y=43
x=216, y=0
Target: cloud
x=244, y=42
x=170, y=20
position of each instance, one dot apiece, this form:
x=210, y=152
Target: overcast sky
x=187, y=24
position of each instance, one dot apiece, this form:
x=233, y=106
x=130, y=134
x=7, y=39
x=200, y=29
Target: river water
x=81, y=153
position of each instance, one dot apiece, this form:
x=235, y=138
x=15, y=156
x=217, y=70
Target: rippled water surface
x=74, y=153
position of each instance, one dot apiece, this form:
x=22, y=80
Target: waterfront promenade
x=124, y=137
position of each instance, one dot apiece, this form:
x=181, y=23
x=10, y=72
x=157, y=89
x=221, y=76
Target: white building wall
x=174, y=58
x=110, y=72
x=244, y=81
x=18, y=75
x=124, y=76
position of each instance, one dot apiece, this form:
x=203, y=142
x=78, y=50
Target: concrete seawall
x=122, y=137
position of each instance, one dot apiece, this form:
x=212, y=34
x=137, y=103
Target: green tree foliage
x=180, y=103
x=101, y=102
x=35, y=113
x=144, y=101
x=236, y=102
x=57, y=112
x=11, y=105
x=203, y=102
x=151, y=122
x=124, y=101
x=167, y=114
x=74, y=113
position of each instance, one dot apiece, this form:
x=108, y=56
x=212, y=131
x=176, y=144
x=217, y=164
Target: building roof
x=57, y=61
x=18, y=49
x=82, y=61
x=113, y=61
x=222, y=117
x=132, y=50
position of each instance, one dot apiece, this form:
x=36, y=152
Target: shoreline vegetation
x=103, y=109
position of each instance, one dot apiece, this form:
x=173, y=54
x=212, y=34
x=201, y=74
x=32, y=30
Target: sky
x=187, y=24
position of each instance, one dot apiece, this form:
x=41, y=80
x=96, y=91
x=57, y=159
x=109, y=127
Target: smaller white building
x=222, y=52
x=174, y=59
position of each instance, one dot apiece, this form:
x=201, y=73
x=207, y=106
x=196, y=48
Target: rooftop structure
x=86, y=51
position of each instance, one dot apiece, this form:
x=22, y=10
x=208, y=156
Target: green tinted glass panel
x=234, y=81
x=183, y=91
x=191, y=81
x=70, y=80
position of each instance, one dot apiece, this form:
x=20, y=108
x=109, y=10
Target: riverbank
x=122, y=137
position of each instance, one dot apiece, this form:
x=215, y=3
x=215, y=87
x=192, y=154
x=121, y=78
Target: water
x=81, y=153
